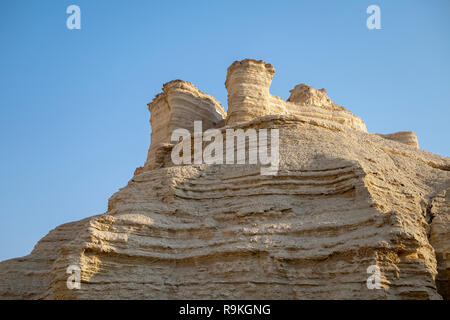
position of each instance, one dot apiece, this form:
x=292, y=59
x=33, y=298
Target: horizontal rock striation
x=343, y=200
x=178, y=106
x=406, y=137
x=248, y=83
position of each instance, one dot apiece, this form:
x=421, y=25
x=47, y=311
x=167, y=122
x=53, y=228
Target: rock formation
x=343, y=200
x=178, y=106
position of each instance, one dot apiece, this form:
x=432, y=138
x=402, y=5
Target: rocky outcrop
x=178, y=106
x=438, y=216
x=406, y=137
x=304, y=95
x=248, y=83
x=343, y=200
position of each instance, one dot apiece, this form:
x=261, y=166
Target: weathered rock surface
x=406, y=137
x=178, y=106
x=343, y=200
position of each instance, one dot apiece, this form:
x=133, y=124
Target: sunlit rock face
x=343, y=200
x=406, y=137
x=178, y=106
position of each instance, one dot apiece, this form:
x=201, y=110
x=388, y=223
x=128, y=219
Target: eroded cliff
x=343, y=199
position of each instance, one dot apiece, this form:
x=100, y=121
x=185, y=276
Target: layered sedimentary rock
x=178, y=106
x=343, y=200
x=248, y=83
x=406, y=137
x=438, y=216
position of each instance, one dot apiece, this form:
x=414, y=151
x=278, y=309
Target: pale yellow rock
x=438, y=215
x=406, y=137
x=178, y=106
x=248, y=84
x=343, y=200
x=305, y=95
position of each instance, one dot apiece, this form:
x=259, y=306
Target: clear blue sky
x=74, y=120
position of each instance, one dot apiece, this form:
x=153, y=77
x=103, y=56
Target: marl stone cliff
x=343, y=199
